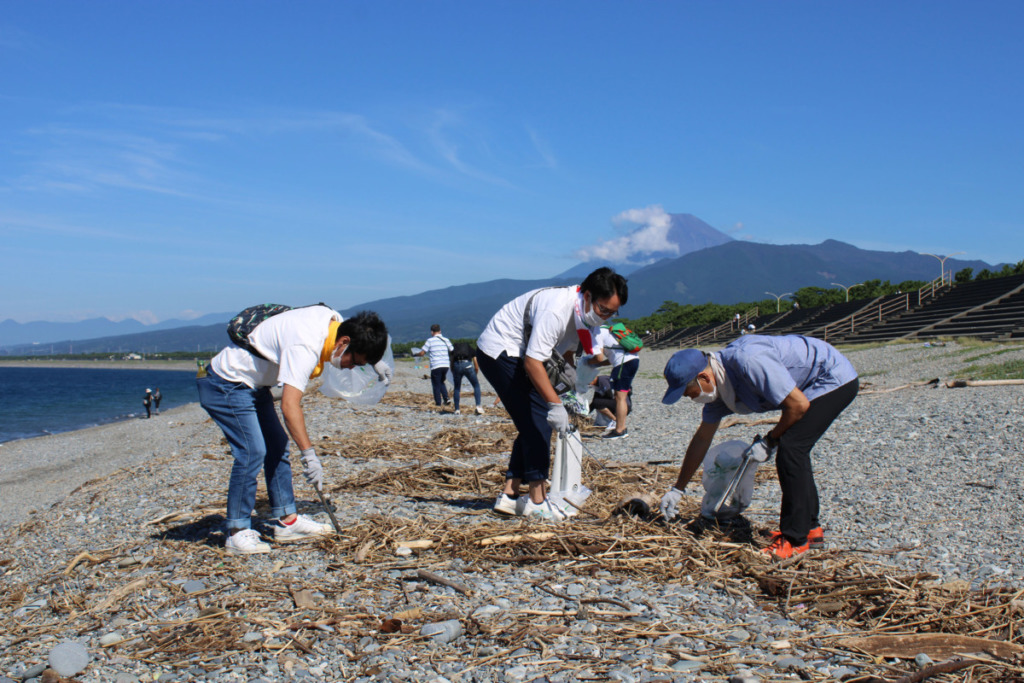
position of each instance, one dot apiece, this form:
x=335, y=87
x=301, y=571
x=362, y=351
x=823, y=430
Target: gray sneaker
x=302, y=529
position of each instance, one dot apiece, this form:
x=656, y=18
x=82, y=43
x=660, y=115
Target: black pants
x=437, y=377
x=793, y=462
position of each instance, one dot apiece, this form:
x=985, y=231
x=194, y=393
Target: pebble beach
x=113, y=566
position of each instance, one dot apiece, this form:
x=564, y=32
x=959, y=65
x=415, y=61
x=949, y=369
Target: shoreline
x=39, y=472
x=103, y=364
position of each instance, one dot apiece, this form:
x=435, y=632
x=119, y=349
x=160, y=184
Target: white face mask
x=591, y=318
x=336, y=356
x=706, y=396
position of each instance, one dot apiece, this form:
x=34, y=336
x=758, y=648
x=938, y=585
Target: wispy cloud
x=449, y=136
x=640, y=244
x=541, y=145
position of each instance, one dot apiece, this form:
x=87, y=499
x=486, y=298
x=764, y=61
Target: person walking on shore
x=512, y=351
x=289, y=348
x=147, y=401
x=464, y=364
x=808, y=379
x=157, y=397
x=437, y=349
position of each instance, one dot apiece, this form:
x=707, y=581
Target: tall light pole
x=847, y=289
x=942, y=261
x=778, y=299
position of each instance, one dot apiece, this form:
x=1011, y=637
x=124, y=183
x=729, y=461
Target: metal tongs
x=748, y=458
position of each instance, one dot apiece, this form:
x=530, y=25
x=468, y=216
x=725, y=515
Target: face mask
x=706, y=396
x=591, y=318
x=336, y=356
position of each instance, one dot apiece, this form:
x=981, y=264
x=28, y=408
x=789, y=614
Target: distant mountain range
x=727, y=271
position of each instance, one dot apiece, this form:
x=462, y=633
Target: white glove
x=312, y=469
x=759, y=450
x=383, y=371
x=670, y=503
x=558, y=418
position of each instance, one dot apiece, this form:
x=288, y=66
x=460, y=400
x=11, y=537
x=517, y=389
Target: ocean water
x=39, y=401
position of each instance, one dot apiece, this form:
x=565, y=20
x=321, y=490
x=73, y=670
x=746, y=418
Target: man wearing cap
x=808, y=379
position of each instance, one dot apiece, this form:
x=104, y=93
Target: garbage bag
x=359, y=384
x=720, y=466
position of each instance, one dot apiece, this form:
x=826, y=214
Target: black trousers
x=793, y=462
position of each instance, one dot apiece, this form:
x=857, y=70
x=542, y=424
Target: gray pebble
x=444, y=631
x=193, y=586
x=68, y=658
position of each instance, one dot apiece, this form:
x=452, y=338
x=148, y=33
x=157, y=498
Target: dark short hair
x=604, y=283
x=368, y=335
x=435, y=328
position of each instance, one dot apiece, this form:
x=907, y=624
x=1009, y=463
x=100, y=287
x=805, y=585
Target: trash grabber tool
x=330, y=512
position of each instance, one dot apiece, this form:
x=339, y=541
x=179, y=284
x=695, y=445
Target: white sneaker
x=246, y=542
x=458, y=412
x=479, y=410
x=506, y=505
x=545, y=511
x=303, y=528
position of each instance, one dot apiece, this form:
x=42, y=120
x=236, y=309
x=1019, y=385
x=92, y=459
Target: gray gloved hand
x=383, y=371
x=670, y=503
x=761, y=449
x=558, y=418
x=312, y=469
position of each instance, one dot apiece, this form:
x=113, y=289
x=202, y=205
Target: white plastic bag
x=585, y=374
x=359, y=384
x=720, y=465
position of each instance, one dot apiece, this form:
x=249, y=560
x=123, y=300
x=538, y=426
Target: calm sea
x=39, y=401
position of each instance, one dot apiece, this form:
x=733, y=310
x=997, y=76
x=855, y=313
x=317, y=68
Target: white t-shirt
x=291, y=341
x=615, y=354
x=554, y=327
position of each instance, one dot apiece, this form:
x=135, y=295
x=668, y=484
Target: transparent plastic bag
x=585, y=374
x=359, y=384
x=720, y=465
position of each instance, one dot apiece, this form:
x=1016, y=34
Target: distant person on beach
x=147, y=401
x=293, y=347
x=437, y=349
x=464, y=364
x=608, y=351
x=512, y=350
x=157, y=397
x=808, y=379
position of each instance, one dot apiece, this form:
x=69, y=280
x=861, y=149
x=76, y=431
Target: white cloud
x=638, y=245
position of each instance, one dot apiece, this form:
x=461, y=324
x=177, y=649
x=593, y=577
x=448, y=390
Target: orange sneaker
x=781, y=549
x=815, y=538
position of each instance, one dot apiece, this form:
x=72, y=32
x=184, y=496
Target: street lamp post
x=942, y=261
x=778, y=299
x=847, y=289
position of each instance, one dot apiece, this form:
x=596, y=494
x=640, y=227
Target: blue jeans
x=531, y=451
x=258, y=441
x=437, y=377
x=464, y=368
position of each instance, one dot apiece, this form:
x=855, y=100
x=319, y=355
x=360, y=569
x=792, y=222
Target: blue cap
x=681, y=369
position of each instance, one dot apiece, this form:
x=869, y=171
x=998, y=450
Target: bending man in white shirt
x=511, y=352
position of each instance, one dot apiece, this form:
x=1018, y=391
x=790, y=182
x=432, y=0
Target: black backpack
x=242, y=325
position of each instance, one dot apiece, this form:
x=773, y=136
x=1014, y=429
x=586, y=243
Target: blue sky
x=168, y=159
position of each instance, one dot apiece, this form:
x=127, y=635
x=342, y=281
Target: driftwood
x=960, y=383
x=935, y=645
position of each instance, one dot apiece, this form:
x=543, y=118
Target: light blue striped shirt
x=437, y=348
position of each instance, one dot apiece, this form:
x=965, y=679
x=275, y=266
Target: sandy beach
x=115, y=542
